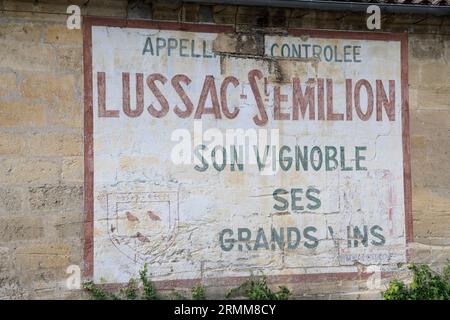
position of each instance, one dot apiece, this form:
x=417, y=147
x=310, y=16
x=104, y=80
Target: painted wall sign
x=211, y=164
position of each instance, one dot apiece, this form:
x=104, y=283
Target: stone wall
x=41, y=134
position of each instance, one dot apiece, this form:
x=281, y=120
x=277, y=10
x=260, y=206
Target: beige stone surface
x=16, y=114
x=48, y=87
x=26, y=56
x=8, y=85
x=20, y=171
x=21, y=228
x=73, y=169
x=55, y=144
x=56, y=197
x=61, y=35
x=42, y=257
x=11, y=143
x=11, y=201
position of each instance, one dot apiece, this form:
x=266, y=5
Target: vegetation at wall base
x=98, y=293
x=175, y=295
x=256, y=288
x=198, y=293
x=148, y=287
x=426, y=285
x=130, y=292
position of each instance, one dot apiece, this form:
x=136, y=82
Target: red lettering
x=223, y=97
x=278, y=97
x=363, y=116
x=348, y=99
x=158, y=94
x=320, y=102
x=302, y=101
x=252, y=76
x=330, y=113
x=187, y=102
x=209, y=87
x=139, y=95
x=382, y=101
x=101, y=89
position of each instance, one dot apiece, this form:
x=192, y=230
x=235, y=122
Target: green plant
x=175, y=295
x=256, y=288
x=426, y=285
x=149, y=291
x=198, y=293
x=98, y=293
x=130, y=292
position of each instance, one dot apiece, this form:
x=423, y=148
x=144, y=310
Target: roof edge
x=352, y=6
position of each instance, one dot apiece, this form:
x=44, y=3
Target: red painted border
x=88, y=151
x=406, y=142
x=88, y=22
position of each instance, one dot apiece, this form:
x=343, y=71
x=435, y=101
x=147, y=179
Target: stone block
x=56, y=197
x=10, y=200
x=18, y=171
x=11, y=143
x=42, y=256
x=48, y=87
x=73, y=169
x=8, y=84
x=21, y=228
x=15, y=114
x=55, y=144
x=61, y=35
